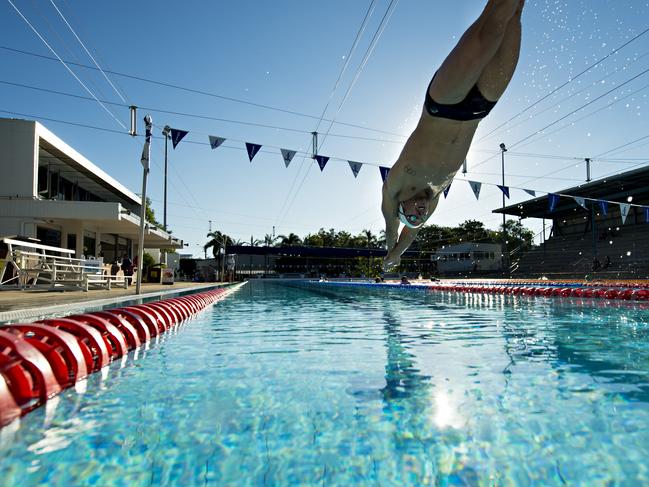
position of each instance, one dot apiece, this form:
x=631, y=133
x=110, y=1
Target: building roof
x=89, y=175
x=616, y=188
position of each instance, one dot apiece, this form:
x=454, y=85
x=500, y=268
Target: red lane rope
x=38, y=360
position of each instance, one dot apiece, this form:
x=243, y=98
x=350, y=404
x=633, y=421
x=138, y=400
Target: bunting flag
x=146, y=150
x=216, y=141
x=177, y=135
x=476, y=186
x=288, y=156
x=553, y=200
x=624, y=211
x=580, y=201
x=531, y=192
x=384, y=172
x=252, y=150
x=603, y=206
x=355, y=167
x=448, y=188
x=504, y=189
x=322, y=161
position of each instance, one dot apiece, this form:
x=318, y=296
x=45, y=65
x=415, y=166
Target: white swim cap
x=405, y=218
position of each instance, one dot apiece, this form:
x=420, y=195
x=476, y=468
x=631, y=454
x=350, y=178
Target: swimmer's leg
x=464, y=65
x=499, y=71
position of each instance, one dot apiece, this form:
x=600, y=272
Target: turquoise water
x=338, y=386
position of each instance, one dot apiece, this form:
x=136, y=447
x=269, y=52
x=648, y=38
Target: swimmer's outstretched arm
x=389, y=207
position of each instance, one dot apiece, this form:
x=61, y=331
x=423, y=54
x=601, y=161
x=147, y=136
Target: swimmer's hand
x=391, y=260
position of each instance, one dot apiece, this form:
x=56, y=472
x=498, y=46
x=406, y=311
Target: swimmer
x=462, y=92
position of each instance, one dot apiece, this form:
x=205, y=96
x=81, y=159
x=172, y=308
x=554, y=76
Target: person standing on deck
x=462, y=92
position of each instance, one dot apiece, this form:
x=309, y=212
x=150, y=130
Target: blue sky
x=288, y=55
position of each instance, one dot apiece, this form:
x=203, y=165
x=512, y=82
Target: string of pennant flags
x=553, y=198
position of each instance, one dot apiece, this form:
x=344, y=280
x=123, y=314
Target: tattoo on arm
x=409, y=170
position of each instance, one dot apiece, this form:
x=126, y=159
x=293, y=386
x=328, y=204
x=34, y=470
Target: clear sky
x=288, y=55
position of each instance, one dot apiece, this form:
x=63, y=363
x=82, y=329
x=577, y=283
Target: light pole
x=503, y=149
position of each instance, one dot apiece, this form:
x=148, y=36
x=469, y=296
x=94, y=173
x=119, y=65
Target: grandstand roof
x=611, y=188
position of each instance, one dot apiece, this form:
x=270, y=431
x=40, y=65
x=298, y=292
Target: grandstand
x=582, y=239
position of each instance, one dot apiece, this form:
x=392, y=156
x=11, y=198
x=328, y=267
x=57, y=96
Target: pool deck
x=30, y=303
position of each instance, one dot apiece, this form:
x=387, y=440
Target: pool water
x=328, y=385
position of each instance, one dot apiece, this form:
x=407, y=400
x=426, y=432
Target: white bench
x=26, y=263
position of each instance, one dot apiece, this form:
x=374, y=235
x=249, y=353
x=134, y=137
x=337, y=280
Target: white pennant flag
x=624, y=211
x=355, y=167
x=288, y=156
x=476, y=186
x=531, y=192
x=580, y=201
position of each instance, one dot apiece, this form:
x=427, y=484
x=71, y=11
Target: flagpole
x=146, y=154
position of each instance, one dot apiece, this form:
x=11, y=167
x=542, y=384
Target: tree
x=217, y=239
x=473, y=231
x=149, y=214
x=270, y=240
x=517, y=235
x=367, y=239
x=289, y=240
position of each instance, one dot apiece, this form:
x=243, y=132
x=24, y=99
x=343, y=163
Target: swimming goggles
x=409, y=220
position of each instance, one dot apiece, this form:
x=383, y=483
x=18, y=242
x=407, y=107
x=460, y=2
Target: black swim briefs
x=473, y=107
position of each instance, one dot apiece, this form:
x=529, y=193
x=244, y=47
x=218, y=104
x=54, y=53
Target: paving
x=32, y=303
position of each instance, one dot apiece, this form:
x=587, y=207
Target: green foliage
x=517, y=235
x=216, y=242
x=149, y=214
x=147, y=260
x=289, y=240
x=368, y=267
x=331, y=238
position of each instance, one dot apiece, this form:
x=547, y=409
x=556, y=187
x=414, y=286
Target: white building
x=468, y=257
x=51, y=192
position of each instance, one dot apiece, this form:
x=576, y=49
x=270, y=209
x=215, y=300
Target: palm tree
x=290, y=240
x=369, y=239
x=217, y=242
x=270, y=240
x=217, y=239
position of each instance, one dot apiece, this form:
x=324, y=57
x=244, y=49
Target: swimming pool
x=324, y=384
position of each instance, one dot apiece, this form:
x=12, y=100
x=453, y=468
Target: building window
x=48, y=236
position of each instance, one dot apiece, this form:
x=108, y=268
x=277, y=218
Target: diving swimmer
x=462, y=92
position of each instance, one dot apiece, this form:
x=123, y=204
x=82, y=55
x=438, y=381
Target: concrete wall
x=12, y=226
x=18, y=159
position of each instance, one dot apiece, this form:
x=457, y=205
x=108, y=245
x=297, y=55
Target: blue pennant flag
x=475, y=186
x=322, y=161
x=176, y=136
x=553, y=200
x=448, y=188
x=603, y=205
x=252, y=150
x=288, y=156
x=355, y=167
x=504, y=189
x=646, y=215
x=384, y=172
x=215, y=141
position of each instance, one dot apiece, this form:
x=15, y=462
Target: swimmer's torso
x=431, y=157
